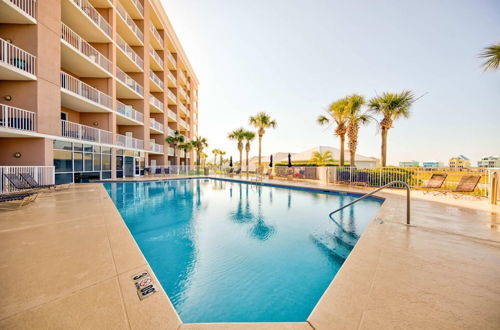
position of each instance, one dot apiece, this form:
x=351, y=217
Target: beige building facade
x=93, y=87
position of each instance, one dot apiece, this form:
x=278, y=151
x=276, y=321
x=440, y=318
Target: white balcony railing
x=43, y=175
x=172, y=96
x=182, y=77
x=156, y=79
x=171, y=132
x=183, y=122
x=139, y=6
x=85, y=133
x=171, y=58
x=130, y=22
x=27, y=6
x=94, y=15
x=157, y=103
x=129, y=142
x=170, y=151
x=127, y=80
x=129, y=51
x=155, y=147
x=155, y=55
x=129, y=112
x=172, y=78
x=84, y=47
x=156, y=34
x=17, y=58
x=183, y=108
x=80, y=88
x=182, y=93
x=12, y=117
x=155, y=125
x=172, y=114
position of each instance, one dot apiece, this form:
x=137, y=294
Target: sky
x=292, y=58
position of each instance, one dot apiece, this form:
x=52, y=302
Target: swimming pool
x=236, y=252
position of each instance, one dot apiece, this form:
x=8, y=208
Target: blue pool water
x=235, y=252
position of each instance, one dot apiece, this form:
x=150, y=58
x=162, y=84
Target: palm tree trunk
x=185, y=157
x=342, y=142
x=175, y=157
x=241, y=158
x=353, y=157
x=260, y=149
x=247, y=161
x=384, y=146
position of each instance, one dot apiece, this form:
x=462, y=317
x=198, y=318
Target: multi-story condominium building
x=432, y=164
x=489, y=162
x=459, y=162
x=92, y=87
x=409, y=163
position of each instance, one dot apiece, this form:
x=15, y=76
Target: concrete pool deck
x=68, y=259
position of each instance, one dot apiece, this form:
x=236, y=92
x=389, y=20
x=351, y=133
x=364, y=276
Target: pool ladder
x=390, y=184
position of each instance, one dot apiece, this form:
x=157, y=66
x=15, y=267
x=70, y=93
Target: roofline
x=170, y=29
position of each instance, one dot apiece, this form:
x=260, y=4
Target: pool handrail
x=377, y=190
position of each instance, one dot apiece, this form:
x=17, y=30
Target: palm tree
x=249, y=136
x=221, y=154
x=216, y=153
x=262, y=121
x=356, y=118
x=203, y=158
x=492, y=56
x=391, y=106
x=338, y=114
x=174, y=142
x=321, y=157
x=239, y=136
x=198, y=144
x=187, y=146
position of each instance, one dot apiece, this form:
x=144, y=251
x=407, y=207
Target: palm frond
x=492, y=56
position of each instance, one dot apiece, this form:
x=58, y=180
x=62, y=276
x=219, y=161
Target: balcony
x=18, y=11
x=155, y=126
x=78, y=96
x=16, y=119
x=126, y=26
x=171, y=81
x=156, y=63
x=127, y=59
x=155, y=147
x=183, y=109
x=134, y=8
x=172, y=117
x=127, y=115
x=85, y=20
x=126, y=87
x=183, y=123
x=155, y=83
x=157, y=40
x=85, y=133
x=172, y=99
x=79, y=57
x=170, y=151
x=182, y=94
x=182, y=77
x=171, y=63
x=129, y=142
x=155, y=104
x=15, y=63
x=171, y=132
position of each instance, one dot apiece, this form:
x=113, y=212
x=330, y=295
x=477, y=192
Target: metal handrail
x=377, y=190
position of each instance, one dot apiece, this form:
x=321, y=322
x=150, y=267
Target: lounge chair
x=18, y=182
x=467, y=184
x=158, y=171
x=24, y=197
x=362, y=179
x=32, y=182
x=344, y=177
x=435, y=183
x=166, y=170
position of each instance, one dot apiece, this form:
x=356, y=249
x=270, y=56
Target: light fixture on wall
x=17, y=155
x=96, y=123
x=7, y=97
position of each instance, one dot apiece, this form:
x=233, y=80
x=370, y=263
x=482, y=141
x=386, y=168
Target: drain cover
x=144, y=284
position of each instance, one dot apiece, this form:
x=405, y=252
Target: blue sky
x=292, y=58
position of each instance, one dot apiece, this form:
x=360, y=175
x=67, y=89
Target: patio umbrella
x=231, y=161
x=271, y=161
x=289, y=160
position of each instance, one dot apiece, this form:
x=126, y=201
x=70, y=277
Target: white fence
x=16, y=57
x=94, y=15
x=171, y=58
x=129, y=51
x=129, y=112
x=155, y=102
x=85, y=48
x=156, y=34
x=177, y=170
x=43, y=175
x=88, y=92
x=155, y=147
x=85, y=133
x=129, y=142
x=155, y=125
x=156, y=79
x=130, y=22
x=127, y=80
x=12, y=117
x=171, y=96
x=155, y=55
x=28, y=6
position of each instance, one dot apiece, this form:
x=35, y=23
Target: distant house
x=459, y=162
x=432, y=164
x=305, y=156
x=489, y=162
x=409, y=163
